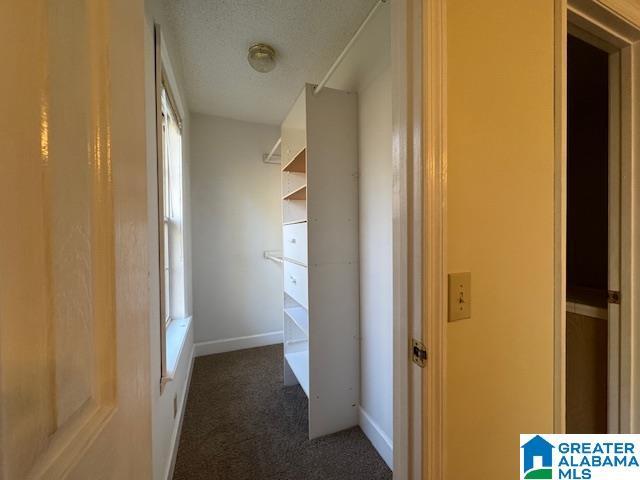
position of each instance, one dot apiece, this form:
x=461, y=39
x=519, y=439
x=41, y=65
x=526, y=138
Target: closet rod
x=274, y=255
x=273, y=151
x=338, y=61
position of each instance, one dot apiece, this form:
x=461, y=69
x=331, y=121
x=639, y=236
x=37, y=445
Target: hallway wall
x=501, y=229
x=236, y=217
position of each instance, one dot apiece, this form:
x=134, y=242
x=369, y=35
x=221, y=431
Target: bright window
x=171, y=213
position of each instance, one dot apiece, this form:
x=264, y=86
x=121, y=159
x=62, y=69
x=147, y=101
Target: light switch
x=459, y=296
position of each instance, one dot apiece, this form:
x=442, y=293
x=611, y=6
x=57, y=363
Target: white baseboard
x=237, y=343
x=376, y=436
x=175, y=438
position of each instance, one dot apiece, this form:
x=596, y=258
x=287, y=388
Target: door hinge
x=613, y=296
x=418, y=353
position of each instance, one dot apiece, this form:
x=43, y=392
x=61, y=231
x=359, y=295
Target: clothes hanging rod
x=271, y=160
x=273, y=255
x=272, y=152
x=340, y=58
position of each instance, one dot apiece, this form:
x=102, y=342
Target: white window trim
x=173, y=331
x=176, y=334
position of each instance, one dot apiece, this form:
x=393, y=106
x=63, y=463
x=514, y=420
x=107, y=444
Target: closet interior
x=288, y=135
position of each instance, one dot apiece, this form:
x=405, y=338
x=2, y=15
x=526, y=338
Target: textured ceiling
x=212, y=38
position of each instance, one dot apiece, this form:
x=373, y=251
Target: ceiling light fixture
x=262, y=57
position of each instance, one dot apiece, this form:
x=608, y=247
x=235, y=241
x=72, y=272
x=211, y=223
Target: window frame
x=163, y=86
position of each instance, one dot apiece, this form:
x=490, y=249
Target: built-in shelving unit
x=299, y=316
x=291, y=222
x=298, y=163
x=299, y=364
x=320, y=256
x=294, y=178
x=299, y=193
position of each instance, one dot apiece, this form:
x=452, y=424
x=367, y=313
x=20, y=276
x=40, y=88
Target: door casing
x=613, y=25
x=419, y=213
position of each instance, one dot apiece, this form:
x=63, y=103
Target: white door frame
x=615, y=23
x=406, y=34
x=419, y=220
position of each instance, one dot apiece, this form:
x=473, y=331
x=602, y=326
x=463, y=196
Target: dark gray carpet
x=241, y=423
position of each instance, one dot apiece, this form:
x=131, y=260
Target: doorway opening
x=607, y=35
x=592, y=261
x=290, y=171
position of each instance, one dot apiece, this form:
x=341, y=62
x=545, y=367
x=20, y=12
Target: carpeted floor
x=241, y=423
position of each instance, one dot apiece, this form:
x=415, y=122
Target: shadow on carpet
x=242, y=423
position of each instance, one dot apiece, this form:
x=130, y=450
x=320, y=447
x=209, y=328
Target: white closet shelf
x=299, y=363
x=299, y=316
x=298, y=163
x=291, y=222
x=299, y=193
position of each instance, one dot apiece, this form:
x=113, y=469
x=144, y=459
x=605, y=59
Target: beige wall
x=500, y=228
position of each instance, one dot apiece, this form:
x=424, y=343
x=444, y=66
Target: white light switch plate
x=459, y=296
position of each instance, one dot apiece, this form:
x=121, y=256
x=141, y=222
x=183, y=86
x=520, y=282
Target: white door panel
x=74, y=340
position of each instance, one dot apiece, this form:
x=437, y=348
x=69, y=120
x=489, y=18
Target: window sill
x=176, y=337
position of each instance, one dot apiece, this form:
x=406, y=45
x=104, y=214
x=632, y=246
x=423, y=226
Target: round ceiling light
x=262, y=57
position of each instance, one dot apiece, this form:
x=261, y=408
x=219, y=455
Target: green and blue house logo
x=537, y=459
x=580, y=456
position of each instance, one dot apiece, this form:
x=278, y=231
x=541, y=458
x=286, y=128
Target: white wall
x=236, y=217
x=367, y=70
x=376, y=274
x=165, y=427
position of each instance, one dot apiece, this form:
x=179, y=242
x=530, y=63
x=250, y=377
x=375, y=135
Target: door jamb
x=617, y=24
x=434, y=265
x=406, y=81
x=419, y=220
